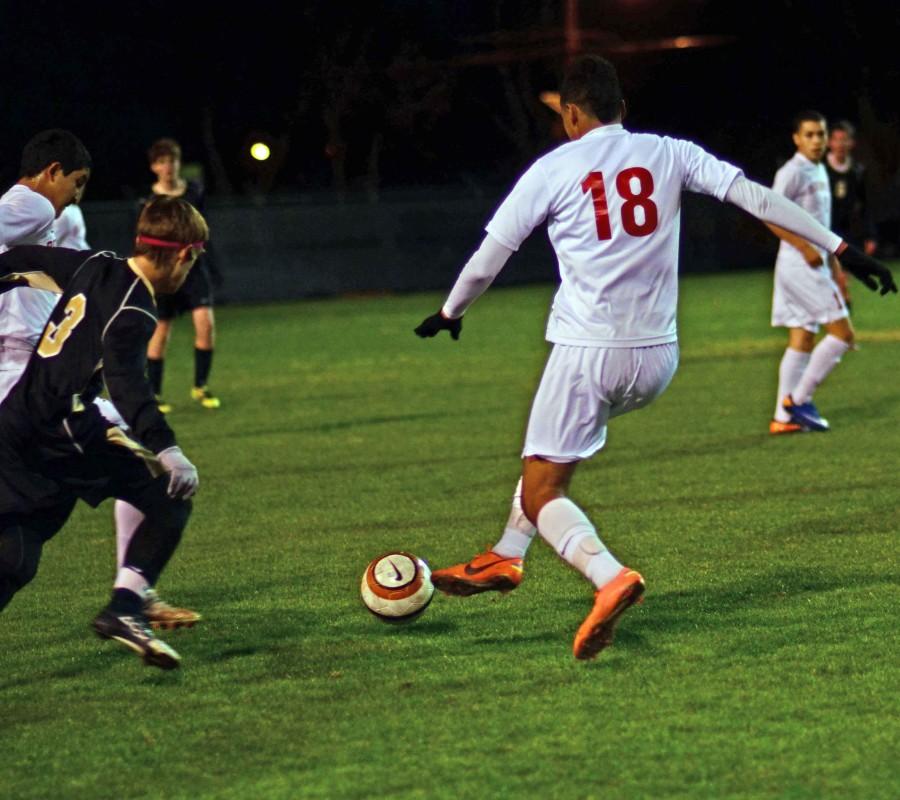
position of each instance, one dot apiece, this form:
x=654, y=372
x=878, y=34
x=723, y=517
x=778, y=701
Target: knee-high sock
x=566, y=527
x=202, y=366
x=519, y=532
x=155, y=374
x=825, y=357
x=793, y=363
x=127, y=520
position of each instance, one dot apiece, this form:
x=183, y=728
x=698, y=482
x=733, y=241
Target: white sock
x=518, y=533
x=825, y=357
x=566, y=527
x=131, y=580
x=127, y=520
x=793, y=363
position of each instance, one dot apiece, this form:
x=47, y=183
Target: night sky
x=391, y=87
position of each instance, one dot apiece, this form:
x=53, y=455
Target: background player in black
x=195, y=296
x=850, y=215
x=56, y=447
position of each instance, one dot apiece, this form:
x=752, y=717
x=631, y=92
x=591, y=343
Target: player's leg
x=581, y=389
x=838, y=339
x=793, y=362
x=156, y=353
x=498, y=569
x=158, y=612
x=22, y=539
x=204, y=346
x=135, y=475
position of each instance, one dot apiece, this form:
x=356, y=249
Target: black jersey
x=98, y=332
x=849, y=214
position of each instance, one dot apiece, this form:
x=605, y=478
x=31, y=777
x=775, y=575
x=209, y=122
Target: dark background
x=396, y=126
x=389, y=94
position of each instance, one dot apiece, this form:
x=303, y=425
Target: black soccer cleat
x=134, y=632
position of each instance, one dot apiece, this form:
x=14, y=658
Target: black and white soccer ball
x=396, y=586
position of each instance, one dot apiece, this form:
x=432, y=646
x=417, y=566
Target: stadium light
x=260, y=151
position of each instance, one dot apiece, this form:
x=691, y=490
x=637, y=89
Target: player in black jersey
x=196, y=296
x=849, y=210
x=55, y=447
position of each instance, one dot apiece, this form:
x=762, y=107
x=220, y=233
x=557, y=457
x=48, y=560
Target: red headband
x=167, y=244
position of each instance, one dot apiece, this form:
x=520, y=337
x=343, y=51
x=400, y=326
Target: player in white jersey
x=611, y=201
x=807, y=292
x=41, y=209
x=71, y=231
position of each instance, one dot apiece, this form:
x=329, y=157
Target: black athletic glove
x=867, y=269
x=433, y=325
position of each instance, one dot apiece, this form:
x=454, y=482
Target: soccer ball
x=396, y=586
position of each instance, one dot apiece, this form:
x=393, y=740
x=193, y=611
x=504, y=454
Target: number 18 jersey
x=612, y=203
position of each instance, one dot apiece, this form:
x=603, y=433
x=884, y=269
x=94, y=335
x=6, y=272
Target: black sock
x=202, y=365
x=124, y=601
x=155, y=373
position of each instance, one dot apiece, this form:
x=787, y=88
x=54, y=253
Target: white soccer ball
x=396, y=586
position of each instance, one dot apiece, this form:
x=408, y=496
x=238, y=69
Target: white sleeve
x=478, y=273
x=704, y=173
x=524, y=208
x=71, y=230
x=767, y=205
x=22, y=216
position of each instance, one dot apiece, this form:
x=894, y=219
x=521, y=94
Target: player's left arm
x=124, y=371
x=771, y=207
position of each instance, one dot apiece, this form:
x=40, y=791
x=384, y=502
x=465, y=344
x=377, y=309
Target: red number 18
x=594, y=184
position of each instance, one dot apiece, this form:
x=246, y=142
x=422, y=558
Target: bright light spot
x=260, y=151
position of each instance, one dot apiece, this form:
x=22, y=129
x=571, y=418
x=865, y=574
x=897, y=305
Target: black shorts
x=197, y=292
x=40, y=470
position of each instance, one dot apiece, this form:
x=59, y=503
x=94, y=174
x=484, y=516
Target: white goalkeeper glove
x=183, y=478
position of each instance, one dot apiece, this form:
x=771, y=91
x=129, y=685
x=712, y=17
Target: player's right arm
x=524, y=208
x=810, y=255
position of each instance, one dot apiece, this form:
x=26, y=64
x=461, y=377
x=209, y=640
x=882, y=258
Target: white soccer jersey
x=612, y=202
x=70, y=229
x=806, y=184
x=804, y=296
x=26, y=217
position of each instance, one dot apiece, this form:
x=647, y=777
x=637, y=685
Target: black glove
x=867, y=269
x=433, y=325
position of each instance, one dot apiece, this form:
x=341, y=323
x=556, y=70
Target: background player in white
x=42, y=209
x=611, y=200
x=806, y=294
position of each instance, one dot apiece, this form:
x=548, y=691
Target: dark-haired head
x=592, y=84
x=807, y=115
x=54, y=146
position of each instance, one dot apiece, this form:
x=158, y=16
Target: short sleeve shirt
x=26, y=217
x=806, y=183
x=612, y=204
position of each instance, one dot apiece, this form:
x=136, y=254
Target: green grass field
x=762, y=664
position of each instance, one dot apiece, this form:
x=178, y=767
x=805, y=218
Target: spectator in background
x=196, y=295
x=850, y=215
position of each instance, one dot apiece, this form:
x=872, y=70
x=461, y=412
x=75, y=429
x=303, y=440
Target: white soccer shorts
x=13, y=361
x=805, y=297
x=582, y=387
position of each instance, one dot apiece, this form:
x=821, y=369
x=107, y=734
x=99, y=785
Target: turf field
x=763, y=663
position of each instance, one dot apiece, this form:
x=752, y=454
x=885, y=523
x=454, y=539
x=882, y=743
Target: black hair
x=54, y=145
x=807, y=115
x=591, y=83
x=845, y=126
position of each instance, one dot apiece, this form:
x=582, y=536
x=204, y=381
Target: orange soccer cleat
x=777, y=428
x=610, y=602
x=487, y=572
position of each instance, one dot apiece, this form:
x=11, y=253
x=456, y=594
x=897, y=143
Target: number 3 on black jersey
x=55, y=335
